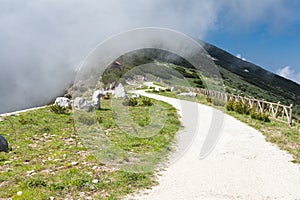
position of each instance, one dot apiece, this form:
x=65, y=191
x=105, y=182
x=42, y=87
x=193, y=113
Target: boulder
x=189, y=94
x=120, y=91
x=82, y=104
x=96, y=99
x=63, y=102
x=3, y=144
x=135, y=96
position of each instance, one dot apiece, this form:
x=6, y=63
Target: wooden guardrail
x=276, y=110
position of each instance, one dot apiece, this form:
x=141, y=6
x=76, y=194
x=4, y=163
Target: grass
x=47, y=158
x=280, y=133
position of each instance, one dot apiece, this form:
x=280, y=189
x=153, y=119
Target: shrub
x=238, y=107
x=241, y=108
x=229, y=105
x=130, y=102
x=133, y=102
x=259, y=116
x=146, y=101
x=218, y=102
x=208, y=99
x=58, y=109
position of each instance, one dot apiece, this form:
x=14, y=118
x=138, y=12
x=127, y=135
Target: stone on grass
x=63, y=102
x=120, y=91
x=96, y=99
x=3, y=144
x=82, y=104
x=95, y=181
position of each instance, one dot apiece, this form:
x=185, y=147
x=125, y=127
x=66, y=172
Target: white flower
x=95, y=181
x=19, y=193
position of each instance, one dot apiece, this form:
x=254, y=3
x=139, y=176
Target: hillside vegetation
x=48, y=159
x=239, y=77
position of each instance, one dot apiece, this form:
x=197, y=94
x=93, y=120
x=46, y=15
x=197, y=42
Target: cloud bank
x=289, y=73
x=43, y=41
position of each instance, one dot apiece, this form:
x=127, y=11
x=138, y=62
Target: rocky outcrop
x=82, y=104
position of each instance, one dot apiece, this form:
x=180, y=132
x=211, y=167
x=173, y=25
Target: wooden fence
x=276, y=110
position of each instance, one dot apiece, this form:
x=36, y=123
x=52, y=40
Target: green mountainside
x=239, y=77
x=253, y=80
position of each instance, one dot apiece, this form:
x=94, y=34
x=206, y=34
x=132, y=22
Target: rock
x=135, y=96
x=74, y=163
x=95, y=181
x=3, y=144
x=96, y=99
x=82, y=104
x=189, y=94
x=157, y=89
x=63, y=102
x=120, y=91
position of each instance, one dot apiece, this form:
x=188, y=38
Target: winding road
x=242, y=165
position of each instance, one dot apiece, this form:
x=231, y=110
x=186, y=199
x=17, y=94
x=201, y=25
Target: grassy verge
x=280, y=133
x=47, y=159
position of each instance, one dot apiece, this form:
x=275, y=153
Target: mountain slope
x=254, y=74
x=239, y=77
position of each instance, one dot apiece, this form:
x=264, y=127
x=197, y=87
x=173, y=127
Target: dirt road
x=241, y=166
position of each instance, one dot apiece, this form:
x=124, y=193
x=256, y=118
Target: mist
x=43, y=42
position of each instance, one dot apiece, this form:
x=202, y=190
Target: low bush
x=208, y=99
x=58, y=109
x=218, y=102
x=238, y=107
x=259, y=116
x=130, y=102
x=146, y=101
x=229, y=105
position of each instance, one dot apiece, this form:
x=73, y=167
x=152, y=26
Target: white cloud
x=289, y=73
x=240, y=57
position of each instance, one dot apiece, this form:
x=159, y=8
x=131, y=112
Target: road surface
x=241, y=166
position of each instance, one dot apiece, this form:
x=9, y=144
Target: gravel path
x=241, y=166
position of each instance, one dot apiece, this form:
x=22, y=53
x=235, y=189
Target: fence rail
x=276, y=110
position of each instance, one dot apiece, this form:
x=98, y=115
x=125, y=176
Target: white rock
x=120, y=91
x=189, y=94
x=81, y=194
x=30, y=172
x=82, y=104
x=74, y=163
x=135, y=96
x=63, y=102
x=95, y=181
x=96, y=99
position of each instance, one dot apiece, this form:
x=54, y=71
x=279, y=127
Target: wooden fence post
x=291, y=115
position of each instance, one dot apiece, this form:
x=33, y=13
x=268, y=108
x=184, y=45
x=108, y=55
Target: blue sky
x=271, y=41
